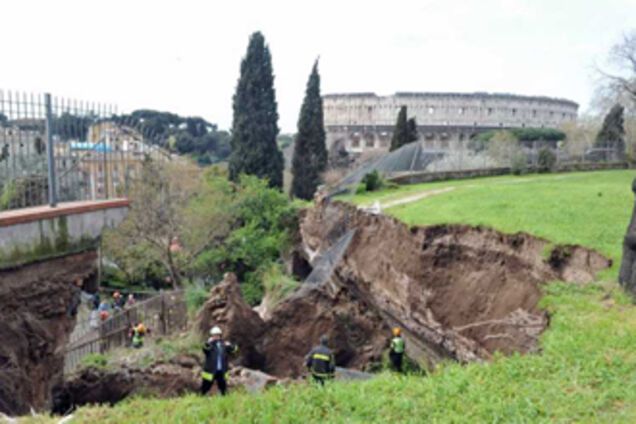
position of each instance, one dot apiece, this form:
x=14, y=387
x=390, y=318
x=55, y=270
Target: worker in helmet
x=216, y=352
x=117, y=301
x=396, y=352
x=321, y=362
x=137, y=334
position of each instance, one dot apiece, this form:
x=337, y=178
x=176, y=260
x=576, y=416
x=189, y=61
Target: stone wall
x=425, y=177
x=365, y=121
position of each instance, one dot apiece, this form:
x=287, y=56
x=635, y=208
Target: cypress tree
x=310, y=151
x=612, y=133
x=255, y=121
x=411, y=130
x=401, y=131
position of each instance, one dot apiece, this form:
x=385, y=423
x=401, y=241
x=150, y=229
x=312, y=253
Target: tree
x=401, y=131
x=176, y=213
x=310, y=150
x=503, y=148
x=255, y=121
x=620, y=81
x=612, y=133
x=412, y=130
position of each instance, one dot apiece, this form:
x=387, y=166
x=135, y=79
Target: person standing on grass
x=396, y=352
x=216, y=351
x=321, y=362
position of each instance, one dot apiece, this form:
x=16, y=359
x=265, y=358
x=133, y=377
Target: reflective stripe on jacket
x=321, y=362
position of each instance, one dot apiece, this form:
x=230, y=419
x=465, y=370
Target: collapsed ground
x=458, y=292
x=586, y=356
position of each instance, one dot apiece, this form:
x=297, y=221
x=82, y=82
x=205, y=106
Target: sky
x=184, y=56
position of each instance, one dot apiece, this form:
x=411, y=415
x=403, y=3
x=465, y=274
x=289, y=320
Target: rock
x=253, y=381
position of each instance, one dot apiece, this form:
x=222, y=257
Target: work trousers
x=219, y=377
x=396, y=360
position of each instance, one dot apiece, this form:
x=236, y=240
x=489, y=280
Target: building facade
x=360, y=122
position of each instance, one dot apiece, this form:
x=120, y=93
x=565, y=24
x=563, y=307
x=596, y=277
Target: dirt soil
x=458, y=292
x=162, y=379
x=36, y=323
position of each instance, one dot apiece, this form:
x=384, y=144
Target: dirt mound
x=106, y=385
x=457, y=290
x=163, y=379
x=356, y=329
x=240, y=323
x=36, y=323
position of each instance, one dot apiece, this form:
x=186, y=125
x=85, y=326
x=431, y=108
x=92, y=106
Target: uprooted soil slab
x=462, y=291
x=36, y=317
x=457, y=292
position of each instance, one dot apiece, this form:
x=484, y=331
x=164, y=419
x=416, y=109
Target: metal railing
x=57, y=150
x=163, y=314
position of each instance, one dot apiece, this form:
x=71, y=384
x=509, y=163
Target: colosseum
x=360, y=122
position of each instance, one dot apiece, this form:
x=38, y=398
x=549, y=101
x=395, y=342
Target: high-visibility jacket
x=137, y=338
x=321, y=362
x=398, y=345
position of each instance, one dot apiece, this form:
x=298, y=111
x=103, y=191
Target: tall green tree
x=412, y=130
x=401, y=131
x=310, y=150
x=612, y=133
x=255, y=122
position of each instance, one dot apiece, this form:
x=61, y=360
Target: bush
x=94, y=360
x=277, y=284
x=373, y=181
x=265, y=219
x=546, y=160
x=195, y=296
x=519, y=165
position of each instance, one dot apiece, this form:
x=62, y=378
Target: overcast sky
x=184, y=56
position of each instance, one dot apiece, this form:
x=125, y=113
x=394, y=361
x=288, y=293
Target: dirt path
x=416, y=197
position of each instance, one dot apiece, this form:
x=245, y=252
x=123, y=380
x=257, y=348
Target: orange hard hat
x=396, y=331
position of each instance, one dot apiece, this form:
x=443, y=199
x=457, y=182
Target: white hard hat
x=216, y=331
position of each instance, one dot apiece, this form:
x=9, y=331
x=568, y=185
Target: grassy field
x=586, y=371
x=591, y=209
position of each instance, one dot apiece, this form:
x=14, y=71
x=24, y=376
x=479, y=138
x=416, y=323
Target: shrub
x=195, y=296
x=373, y=181
x=546, y=160
x=94, y=360
x=277, y=284
x=519, y=165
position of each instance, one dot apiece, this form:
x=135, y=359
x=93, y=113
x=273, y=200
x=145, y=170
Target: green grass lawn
x=586, y=371
x=591, y=209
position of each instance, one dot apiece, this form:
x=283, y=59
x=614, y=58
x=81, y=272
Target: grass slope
x=586, y=371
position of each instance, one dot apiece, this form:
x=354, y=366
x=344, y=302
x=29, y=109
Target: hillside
x=587, y=362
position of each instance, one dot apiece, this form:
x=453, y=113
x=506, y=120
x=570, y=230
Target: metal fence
x=57, y=150
x=163, y=314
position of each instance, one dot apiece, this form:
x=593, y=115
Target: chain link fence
x=54, y=150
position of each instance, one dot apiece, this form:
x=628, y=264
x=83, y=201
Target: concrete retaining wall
x=35, y=234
